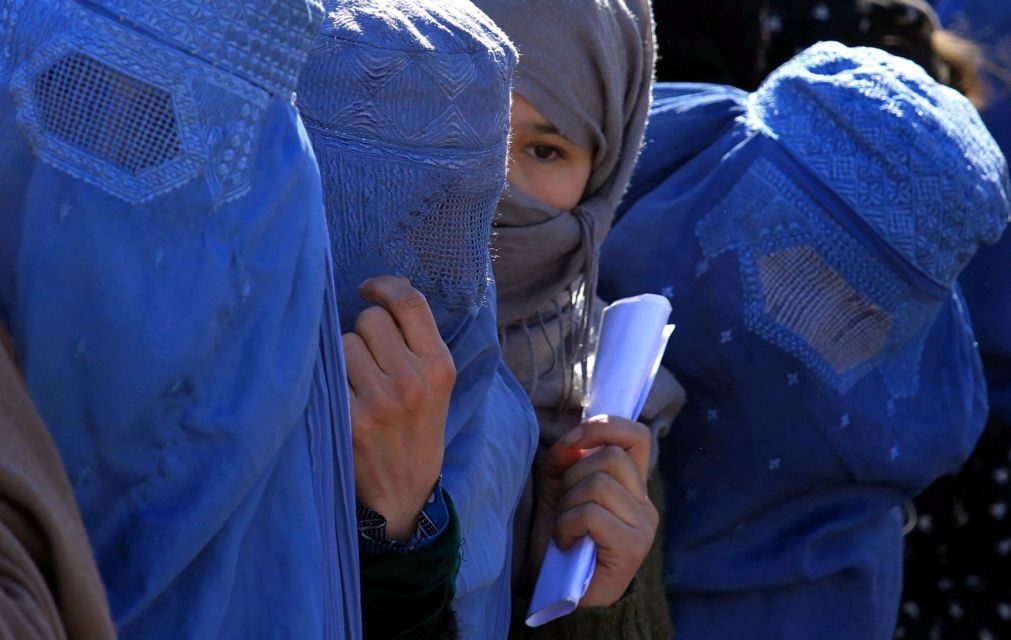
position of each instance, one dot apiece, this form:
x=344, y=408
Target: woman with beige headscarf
x=580, y=100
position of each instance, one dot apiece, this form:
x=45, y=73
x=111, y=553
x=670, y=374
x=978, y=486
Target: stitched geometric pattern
x=357, y=91
x=430, y=222
x=264, y=42
x=118, y=109
x=448, y=243
x=895, y=147
x=812, y=289
x=417, y=178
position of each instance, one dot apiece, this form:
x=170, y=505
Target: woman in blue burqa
x=407, y=106
x=163, y=269
x=809, y=236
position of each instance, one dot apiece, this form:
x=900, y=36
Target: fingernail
x=573, y=436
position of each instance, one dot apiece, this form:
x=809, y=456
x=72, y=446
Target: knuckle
x=409, y=298
x=587, y=512
x=350, y=340
x=598, y=482
x=654, y=513
x=568, y=519
x=652, y=518
x=443, y=370
x=645, y=542
x=370, y=317
x=613, y=453
x=640, y=430
x=569, y=477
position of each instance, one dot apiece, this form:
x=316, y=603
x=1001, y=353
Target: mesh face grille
x=99, y=110
x=805, y=295
x=450, y=243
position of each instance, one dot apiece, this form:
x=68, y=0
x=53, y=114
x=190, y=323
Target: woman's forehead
x=527, y=120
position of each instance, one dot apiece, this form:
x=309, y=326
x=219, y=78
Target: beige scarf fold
x=49, y=585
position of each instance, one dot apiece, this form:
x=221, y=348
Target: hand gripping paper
x=631, y=342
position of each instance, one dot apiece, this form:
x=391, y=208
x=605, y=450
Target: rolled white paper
x=630, y=345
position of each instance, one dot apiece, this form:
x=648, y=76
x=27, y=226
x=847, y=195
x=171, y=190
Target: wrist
x=401, y=526
x=427, y=524
x=399, y=518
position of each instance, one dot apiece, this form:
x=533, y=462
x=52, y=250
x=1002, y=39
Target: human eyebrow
x=548, y=129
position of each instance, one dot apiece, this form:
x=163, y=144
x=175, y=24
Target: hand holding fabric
x=602, y=495
x=401, y=375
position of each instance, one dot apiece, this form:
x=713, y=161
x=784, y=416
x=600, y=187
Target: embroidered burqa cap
x=164, y=270
x=808, y=236
x=408, y=109
x=407, y=106
x=863, y=146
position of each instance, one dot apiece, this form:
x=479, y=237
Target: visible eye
x=543, y=152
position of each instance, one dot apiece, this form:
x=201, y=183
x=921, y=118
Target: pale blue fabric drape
x=164, y=269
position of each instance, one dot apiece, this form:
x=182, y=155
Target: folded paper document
x=630, y=345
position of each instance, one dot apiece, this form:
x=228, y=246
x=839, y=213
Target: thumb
x=562, y=455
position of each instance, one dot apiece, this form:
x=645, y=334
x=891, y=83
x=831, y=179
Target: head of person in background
x=580, y=101
x=828, y=355
x=163, y=274
x=745, y=41
x=906, y=28
x=721, y=42
x=407, y=106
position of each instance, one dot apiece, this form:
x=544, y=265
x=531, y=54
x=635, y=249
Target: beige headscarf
x=587, y=66
x=49, y=585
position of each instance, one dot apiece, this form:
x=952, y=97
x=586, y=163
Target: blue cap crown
x=407, y=106
x=896, y=147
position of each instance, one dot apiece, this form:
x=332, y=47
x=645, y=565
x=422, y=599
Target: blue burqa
x=407, y=106
x=164, y=269
x=808, y=236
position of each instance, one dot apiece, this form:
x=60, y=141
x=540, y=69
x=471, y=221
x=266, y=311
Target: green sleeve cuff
x=408, y=595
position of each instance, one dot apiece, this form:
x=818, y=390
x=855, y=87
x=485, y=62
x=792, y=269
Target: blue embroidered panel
x=812, y=289
x=126, y=110
x=418, y=179
x=263, y=42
